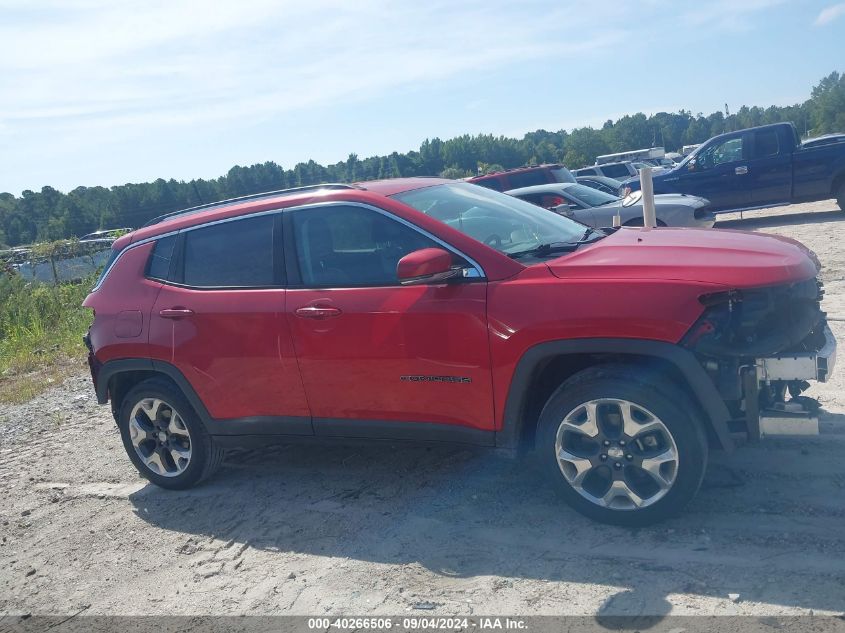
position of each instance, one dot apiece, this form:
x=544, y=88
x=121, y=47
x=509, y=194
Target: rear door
x=219, y=318
x=378, y=358
x=770, y=167
x=719, y=173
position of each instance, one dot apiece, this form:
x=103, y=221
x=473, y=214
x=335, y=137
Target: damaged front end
x=761, y=347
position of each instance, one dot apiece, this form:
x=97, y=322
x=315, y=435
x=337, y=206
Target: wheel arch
x=117, y=377
x=545, y=366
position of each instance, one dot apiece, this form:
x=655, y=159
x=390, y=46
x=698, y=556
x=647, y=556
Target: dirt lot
x=302, y=530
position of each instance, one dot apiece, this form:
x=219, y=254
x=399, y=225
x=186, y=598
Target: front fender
x=699, y=383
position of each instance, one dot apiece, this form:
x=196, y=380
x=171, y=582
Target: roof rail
x=252, y=196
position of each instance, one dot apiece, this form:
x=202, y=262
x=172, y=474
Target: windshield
x=507, y=224
x=590, y=197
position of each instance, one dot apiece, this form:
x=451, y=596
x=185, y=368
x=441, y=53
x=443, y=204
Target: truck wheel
x=165, y=438
x=623, y=447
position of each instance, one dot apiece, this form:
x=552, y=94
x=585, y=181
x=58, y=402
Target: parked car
x=602, y=183
x=596, y=208
x=619, y=171
x=105, y=234
x=757, y=167
x=826, y=139
x=436, y=310
x=523, y=177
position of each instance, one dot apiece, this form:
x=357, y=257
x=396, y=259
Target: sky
x=105, y=92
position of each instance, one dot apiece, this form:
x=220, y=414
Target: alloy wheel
x=160, y=437
x=616, y=454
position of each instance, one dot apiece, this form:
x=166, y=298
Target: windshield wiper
x=587, y=234
x=541, y=250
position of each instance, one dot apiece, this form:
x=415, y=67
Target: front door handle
x=741, y=170
x=175, y=313
x=318, y=312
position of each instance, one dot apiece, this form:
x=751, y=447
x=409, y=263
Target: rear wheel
x=164, y=437
x=623, y=448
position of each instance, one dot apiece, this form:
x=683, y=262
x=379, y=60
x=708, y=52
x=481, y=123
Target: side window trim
x=295, y=279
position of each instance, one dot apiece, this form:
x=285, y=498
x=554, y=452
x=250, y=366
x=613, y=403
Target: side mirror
x=632, y=198
x=427, y=265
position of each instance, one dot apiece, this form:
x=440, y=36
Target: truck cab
x=757, y=167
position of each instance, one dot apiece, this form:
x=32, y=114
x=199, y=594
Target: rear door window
x=766, y=144
x=235, y=254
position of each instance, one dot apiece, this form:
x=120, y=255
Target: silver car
x=597, y=208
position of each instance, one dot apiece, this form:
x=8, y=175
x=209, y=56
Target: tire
x=840, y=197
x=144, y=424
x=589, y=482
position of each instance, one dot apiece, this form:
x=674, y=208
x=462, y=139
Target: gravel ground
x=395, y=530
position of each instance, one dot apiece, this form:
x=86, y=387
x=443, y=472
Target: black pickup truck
x=758, y=167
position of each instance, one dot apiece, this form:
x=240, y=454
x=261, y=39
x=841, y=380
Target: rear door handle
x=741, y=171
x=318, y=312
x=175, y=313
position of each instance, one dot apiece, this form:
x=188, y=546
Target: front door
x=719, y=173
x=378, y=358
x=219, y=319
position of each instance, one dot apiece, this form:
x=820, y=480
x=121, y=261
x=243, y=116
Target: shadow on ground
x=752, y=531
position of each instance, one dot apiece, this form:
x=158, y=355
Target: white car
x=597, y=209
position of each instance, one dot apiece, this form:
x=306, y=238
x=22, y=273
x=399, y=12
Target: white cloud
x=85, y=77
x=829, y=14
x=117, y=68
x=735, y=15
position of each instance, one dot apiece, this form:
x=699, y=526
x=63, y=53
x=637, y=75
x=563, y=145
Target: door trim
x=398, y=430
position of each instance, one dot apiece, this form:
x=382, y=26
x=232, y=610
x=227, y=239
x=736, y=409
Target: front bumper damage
x=762, y=347
x=798, y=416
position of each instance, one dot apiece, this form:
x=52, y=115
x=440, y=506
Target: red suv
x=523, y=177
x=428, y=309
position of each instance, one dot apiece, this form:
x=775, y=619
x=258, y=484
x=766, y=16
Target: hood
x=664, y=200
x=679, y=198
x=736, y=259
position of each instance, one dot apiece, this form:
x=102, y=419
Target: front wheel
x=622, y=448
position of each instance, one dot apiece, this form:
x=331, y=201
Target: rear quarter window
x=158, y=266
x=112, y=258
x=527, y=179
x=766, y=144
x=489, y=183
x=616, y=171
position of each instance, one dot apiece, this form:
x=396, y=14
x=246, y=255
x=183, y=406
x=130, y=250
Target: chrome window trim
x=478, y=270
x=132, y=245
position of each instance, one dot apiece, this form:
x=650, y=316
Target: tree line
x=51, y=215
